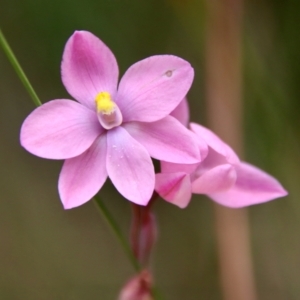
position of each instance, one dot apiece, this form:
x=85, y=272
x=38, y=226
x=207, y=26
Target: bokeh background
x=49, y=253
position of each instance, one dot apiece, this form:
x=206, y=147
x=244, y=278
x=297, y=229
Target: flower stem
x=117, y=231
x=13, y=60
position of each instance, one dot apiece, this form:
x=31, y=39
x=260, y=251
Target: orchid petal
x=215, y=142
x=253, y=186
x=182, y=112
x=202, y=146
x=166, y=140
x=167, y=167
x=129, y=166
x=60, y=129
x=83, y=176
x=153, y=87
x=212, y=160
x=215, y=180
x=88, y=68
x=174, y=188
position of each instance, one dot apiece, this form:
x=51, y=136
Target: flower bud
x=138, y=287
x=143, y=234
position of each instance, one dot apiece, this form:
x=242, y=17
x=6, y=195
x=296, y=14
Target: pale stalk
x=224, y=113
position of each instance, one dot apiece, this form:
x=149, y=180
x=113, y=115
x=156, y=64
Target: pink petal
x=83, y=176
x=167, y=167
x=60, y=129
x=215, y=180
x=213, y=159
x=88, y=68
x=202, y=146
x=215, y=142
x=182, y=112
x=129, y=166
x=174, y=188
x=166, y=140
x=153, y=87
x=252, y=186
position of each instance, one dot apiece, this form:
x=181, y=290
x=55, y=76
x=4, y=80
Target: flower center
x=108, y=112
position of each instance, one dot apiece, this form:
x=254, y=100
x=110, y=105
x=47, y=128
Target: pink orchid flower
x=221, y=175
x=111, y=131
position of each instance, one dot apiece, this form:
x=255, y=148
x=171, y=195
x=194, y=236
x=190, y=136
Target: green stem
x=117, y=231
x=113, y=225
x=13, y=60
x=156, y=294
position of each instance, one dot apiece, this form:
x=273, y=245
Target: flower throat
x=108, y=112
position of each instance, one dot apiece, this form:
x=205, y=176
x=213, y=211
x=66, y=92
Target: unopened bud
x=143, y=234
x=138, y=287
x=147, y=237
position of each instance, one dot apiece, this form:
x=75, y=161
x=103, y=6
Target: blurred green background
x=49, y=253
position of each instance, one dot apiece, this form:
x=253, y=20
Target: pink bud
x=138, y=287
x=143, y=233
x=148, y=235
